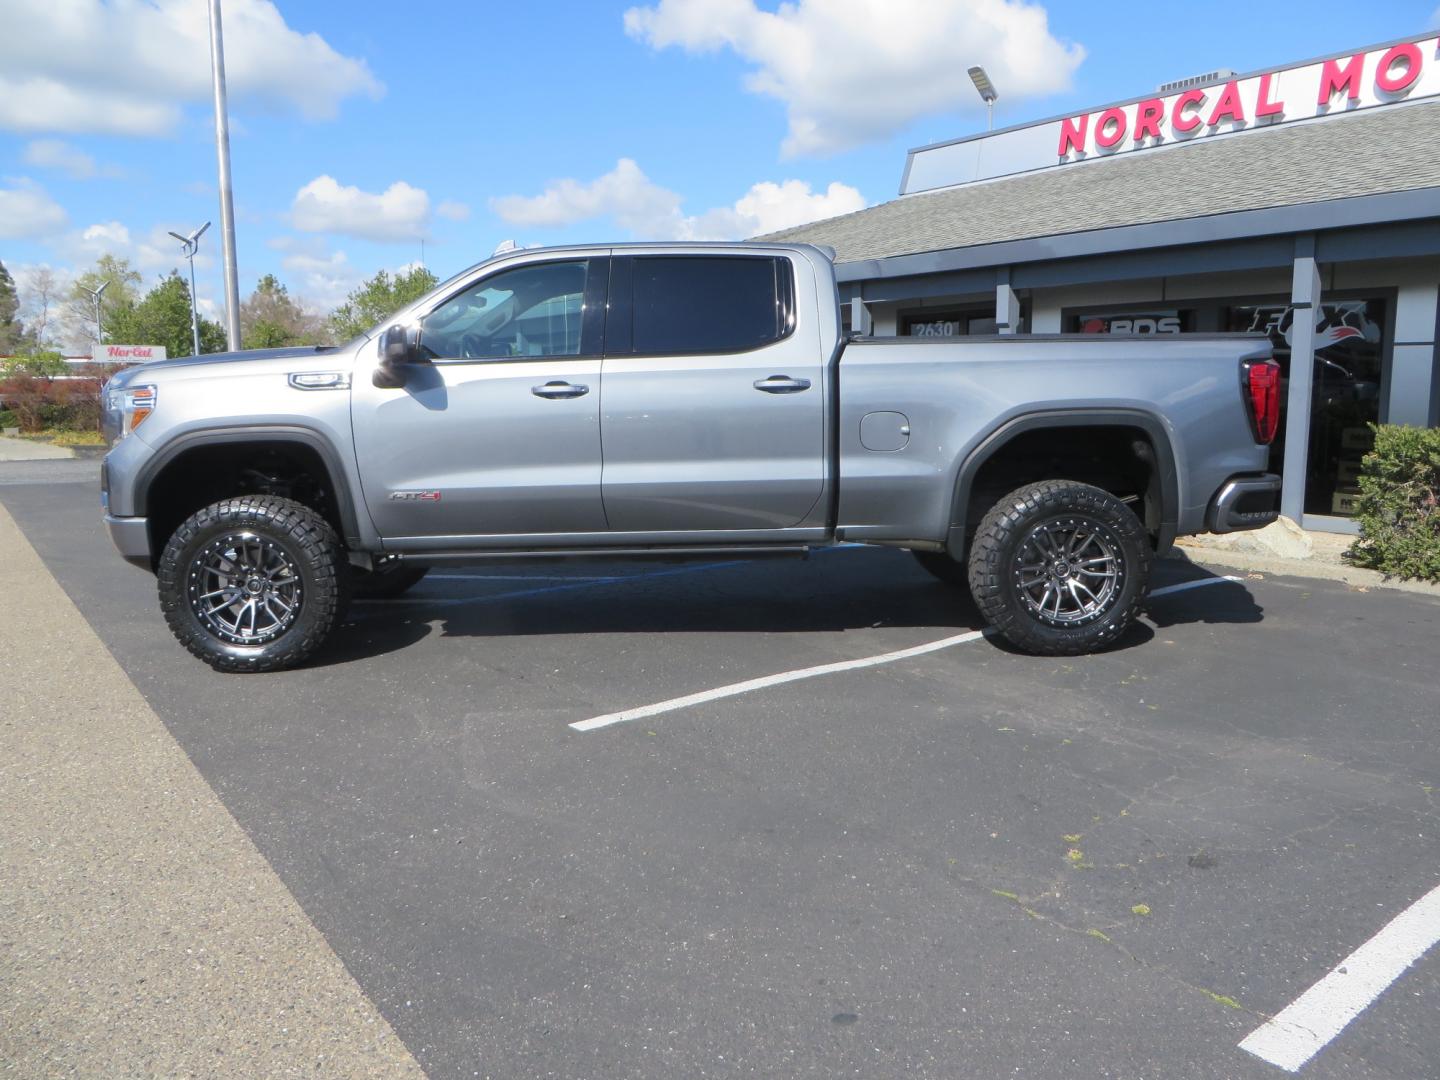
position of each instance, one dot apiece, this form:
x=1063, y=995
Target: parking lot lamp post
x=987, y=92
x=191, y=244
x=227, y=198
x=95, y=294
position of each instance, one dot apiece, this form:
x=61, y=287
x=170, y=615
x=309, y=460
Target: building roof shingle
x=1368, y=153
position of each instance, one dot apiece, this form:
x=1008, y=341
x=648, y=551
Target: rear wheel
x=252, y=584
x=1060, y=568
x=390, y=578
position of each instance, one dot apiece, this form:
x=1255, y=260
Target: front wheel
x=1060, y=568
x=254, y=583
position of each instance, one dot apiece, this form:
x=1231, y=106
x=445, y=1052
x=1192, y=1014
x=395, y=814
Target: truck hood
x=159, y=367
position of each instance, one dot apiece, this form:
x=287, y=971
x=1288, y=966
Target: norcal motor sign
x=1364, y=79
x=127, y=354
x=1383, y=75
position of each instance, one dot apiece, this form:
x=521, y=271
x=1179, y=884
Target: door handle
x=782, y=384
x=558, y=388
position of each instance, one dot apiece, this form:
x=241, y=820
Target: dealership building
x=1302, y=202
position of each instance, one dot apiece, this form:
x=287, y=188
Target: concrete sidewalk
x=141, y=932
x=24, y=450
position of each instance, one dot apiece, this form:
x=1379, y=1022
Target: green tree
x=271, y=319
x=121, y=293
x=379, y=298
x=163, y=318
x=13, y=338
x=44, y=364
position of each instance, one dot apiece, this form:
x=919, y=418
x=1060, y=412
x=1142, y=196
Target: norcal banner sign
x=1384, y=75
x=128, y=354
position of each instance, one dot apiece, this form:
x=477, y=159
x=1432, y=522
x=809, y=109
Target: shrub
x=8, y=419
x=1399, y=511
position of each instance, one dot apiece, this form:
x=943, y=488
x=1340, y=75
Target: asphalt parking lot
x=957, y=863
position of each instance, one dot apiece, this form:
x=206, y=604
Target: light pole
x=191, y=244
x=987, y=92
x=95, y=293
x=227, y=198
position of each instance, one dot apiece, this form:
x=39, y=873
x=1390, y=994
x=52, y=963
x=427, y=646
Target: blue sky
x=466, y=124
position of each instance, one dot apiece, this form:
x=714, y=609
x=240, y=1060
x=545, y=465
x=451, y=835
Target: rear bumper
x=1244, y=502
x=131, y=537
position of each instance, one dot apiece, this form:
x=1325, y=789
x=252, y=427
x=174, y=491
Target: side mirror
x=399, y=348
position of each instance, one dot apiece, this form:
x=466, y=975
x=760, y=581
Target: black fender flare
x=271, y=433
x=1146, y=422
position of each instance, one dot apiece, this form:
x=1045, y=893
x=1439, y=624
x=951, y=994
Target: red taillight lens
x=1262, y=380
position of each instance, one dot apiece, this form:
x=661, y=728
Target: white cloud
x=634, y=202
x=400, y=212
x=27, y=212
x=851, y=71
x=71, y=160
x=126, y=67
x=320, y=278
x=153, y=252
x=452, y=210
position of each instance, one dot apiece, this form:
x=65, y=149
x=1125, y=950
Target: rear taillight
x=1262, y=394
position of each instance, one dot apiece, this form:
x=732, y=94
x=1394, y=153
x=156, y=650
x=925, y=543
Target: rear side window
x=710, y=304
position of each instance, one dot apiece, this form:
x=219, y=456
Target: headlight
x=126, y=409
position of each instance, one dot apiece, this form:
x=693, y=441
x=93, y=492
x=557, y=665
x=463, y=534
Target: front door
x=498, y=433
x=714, y=405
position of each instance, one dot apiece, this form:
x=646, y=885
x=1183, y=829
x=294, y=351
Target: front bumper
x=131, y=537
x=1245, y=502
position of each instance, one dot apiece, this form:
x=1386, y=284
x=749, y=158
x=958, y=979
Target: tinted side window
x=709, y=304
x=534, y=310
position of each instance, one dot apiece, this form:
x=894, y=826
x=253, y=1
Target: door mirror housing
x=399, y=348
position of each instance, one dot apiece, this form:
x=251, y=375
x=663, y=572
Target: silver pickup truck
x=690, y=400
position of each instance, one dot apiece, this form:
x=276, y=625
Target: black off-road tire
x=941, y=565
x=386, y=581
x=1006, y=531
x=292, y=533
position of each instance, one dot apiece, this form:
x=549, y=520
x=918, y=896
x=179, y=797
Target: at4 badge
x=414, y=496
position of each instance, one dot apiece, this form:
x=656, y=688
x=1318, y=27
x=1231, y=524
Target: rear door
x=713, y=412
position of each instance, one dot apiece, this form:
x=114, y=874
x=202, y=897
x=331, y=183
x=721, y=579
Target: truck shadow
x=850, y=589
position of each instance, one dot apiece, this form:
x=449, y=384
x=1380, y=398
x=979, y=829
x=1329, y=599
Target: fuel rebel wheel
x=254, y=583
x=1060, y=568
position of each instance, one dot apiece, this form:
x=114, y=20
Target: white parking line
x=521, y=577
x=1168, y=589
x=749, y=685
x=1303, y=1029
x=774, y=680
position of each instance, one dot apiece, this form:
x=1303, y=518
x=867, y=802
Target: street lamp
x=227, y=198
x=95, y=293
x=191, y=244
x=987, y=92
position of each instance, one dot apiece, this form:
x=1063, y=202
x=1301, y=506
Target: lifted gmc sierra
x=636, y=400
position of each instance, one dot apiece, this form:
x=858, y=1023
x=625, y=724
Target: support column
x=1412, y=355
x=1304, y=302
x=860, y=321
x=1007, y=309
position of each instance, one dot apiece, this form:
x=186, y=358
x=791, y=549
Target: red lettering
x=1263, y=105
x=1228, y=105
x=1333, y=78
x=1385, y=77
x=1072, y=135
x=1147, y=119
x=1110, y=129
x=1179, y=122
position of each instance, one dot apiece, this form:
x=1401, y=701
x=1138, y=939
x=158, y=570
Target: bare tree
x=41, y=292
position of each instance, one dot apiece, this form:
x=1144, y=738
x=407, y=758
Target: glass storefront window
x=1349, y=359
